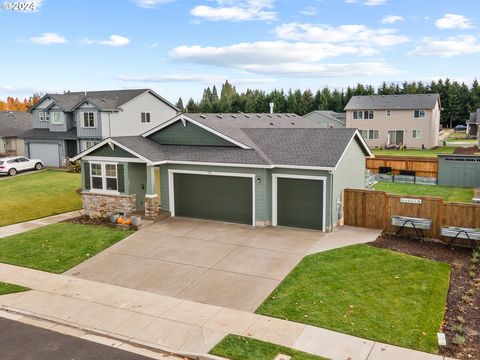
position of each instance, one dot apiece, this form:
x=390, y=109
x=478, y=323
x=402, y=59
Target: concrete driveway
x=230, y=265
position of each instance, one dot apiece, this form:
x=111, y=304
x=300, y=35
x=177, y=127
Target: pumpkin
x=120, y=220
x=127, y=222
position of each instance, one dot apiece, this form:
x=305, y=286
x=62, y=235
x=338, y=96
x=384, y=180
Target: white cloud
x=453, y=21
x=48, y=39
x=392, y=19
x=195, y=78
x=150, y=4
x=354, y=34
x=236, y=10
x=375, y=2
x=309, y=11
x=452, y=46
x=351, y=1
x=115, y=41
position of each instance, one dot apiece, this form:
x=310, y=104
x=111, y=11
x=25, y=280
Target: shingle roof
x=393, y=102
x=46, y=134
x=14, y=123
x=340, y=118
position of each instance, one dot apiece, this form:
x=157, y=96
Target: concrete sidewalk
x=173, y=324
x=34, y=224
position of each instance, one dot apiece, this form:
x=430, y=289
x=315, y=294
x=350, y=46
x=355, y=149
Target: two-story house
x=66, y=124
x=389, y=120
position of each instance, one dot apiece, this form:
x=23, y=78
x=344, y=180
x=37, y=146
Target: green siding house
x=256, y=169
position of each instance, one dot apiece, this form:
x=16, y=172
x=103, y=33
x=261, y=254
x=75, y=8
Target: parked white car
x=12, y=165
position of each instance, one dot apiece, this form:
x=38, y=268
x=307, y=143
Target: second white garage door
x=48, y=153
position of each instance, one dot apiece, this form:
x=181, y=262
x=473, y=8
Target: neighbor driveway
x=230, y=265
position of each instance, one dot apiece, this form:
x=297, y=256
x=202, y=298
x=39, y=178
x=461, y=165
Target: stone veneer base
x=101, y=205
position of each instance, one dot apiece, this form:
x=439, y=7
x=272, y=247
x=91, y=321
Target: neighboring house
x=327, y=119
x=393, y=120
x=257, y=169
x=473, y=126
x=12, y=125
x=66, y=124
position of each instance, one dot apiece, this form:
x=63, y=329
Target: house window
x=417, y=134
x=89, y=143
x=331, y=126
x=41, y=115
x=419, y=114
x=370, y=134
x=388, y=113
x=145, y=117
x=324, y=125
x=47, y=116
x=89, y=119
x=104, y=176
x=363, y=114
x=57, y=118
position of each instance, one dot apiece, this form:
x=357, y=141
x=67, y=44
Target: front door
x=395, y=137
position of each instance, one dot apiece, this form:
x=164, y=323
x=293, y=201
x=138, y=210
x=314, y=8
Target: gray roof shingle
x=46, y=134
x=393, y=102
x=340, y=118
x=14, y=123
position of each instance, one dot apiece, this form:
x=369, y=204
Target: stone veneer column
x=151, y=197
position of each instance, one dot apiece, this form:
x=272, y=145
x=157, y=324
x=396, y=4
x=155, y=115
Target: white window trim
x=82, y=120
x=104, y=179
x=388, y=113
x=171, y=190
x=404, y=134
x=62, y=118
x=41, y=116
x=363, y=113
x=150, y=116
x=420, y=117
x=416, y=132
x=303, y=177
x=368, y=134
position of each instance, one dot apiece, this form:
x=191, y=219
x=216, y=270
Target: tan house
x=389, y=120
x=12, y=125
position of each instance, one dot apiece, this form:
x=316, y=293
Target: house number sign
x=410, y=201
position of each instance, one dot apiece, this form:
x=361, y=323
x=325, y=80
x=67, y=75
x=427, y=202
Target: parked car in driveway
x=460, y=128
x=12, y=165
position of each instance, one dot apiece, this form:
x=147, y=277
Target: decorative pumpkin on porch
x=120, y=220
x=127, y=222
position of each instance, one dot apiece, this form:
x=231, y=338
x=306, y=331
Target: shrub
x=458, y=329
x=458, y=340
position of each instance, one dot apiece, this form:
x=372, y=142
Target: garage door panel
x=222, y=198
x=48, y=153
x=300, y=203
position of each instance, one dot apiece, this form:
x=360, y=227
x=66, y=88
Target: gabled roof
x=14, y=123
x=107, y=100
x=393, y=102
x=340, y=118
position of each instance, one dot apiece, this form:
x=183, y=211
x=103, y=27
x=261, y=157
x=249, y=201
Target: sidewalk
x=172, y=324
x=33, y=224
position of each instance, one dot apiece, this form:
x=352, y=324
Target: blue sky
x=179, y=47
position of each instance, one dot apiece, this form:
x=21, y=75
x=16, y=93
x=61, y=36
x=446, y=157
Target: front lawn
x=241, y=348
x=416, y=152
x=38, y=195
x=10, y=288
x=448, y=193
x=58, y=247
x=368, y=292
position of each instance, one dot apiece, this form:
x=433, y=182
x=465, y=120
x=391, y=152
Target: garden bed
x=462, y=309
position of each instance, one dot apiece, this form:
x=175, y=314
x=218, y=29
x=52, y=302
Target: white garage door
x=48, y=153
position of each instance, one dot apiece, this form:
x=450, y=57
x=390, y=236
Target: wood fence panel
x=462, y=215
x=364, y=208
x=422, y=166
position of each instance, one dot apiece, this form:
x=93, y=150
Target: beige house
x=12, y=125
x=389, y=120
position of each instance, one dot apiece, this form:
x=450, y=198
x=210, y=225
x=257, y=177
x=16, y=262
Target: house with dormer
x=65, y=124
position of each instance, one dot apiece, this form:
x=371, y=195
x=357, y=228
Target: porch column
x=151, y=197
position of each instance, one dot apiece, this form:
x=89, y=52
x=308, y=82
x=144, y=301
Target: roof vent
x=203, y=116
x=234, y=116
x=271, y=124
x=292, y=123
x=279, y=115
x=294, y=115
x=287, y=115
x=104, y=100
x=269, y=115
x=259, y=116
x=248, y=117
x=219, y=116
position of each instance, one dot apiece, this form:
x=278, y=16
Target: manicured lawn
x=367, y=292
x=58, y=247
x=449, y=193
x=10, y=288
x=38, y=195
x=241, y=348
x=416, y=152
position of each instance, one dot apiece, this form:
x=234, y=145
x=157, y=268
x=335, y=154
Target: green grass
x=448, y=193
x=241, y=348
x=38, y=195
x=473, y=141
x=416, y=152
x=58, y=247
x=368, y=292
x=10, y=288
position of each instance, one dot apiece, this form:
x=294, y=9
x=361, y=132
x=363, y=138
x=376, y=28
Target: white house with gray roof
x=256, y=169
x=65, y=124
x=394, y=120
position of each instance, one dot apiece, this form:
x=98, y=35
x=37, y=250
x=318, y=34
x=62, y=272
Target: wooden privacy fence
x=374, y=209
x=427, y=167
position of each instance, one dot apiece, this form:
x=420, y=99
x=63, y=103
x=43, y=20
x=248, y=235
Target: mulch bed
x=466, y=151
x=86, y=220
x=460, y=281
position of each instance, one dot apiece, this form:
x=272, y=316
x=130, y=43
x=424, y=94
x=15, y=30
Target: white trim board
x=171, y=189
x=303, y=177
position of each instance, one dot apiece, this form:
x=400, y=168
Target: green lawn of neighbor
x=10, y=288
x=58, y=247
x=368, y=292
x=449, y=193
x=241, y=348
x=38, y=195
x=416, y=152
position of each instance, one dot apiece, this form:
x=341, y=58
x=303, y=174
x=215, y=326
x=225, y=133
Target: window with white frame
x=41, y=116
x=370, y=134
x=388, y=113
x=145, y=117
x=419, y=114
x=417, y=134
x=363, y=114
x=57, y=118
x=324, y=125
x=104, y=176
x=89, y=143
x=89, y=119
x=47, y=116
